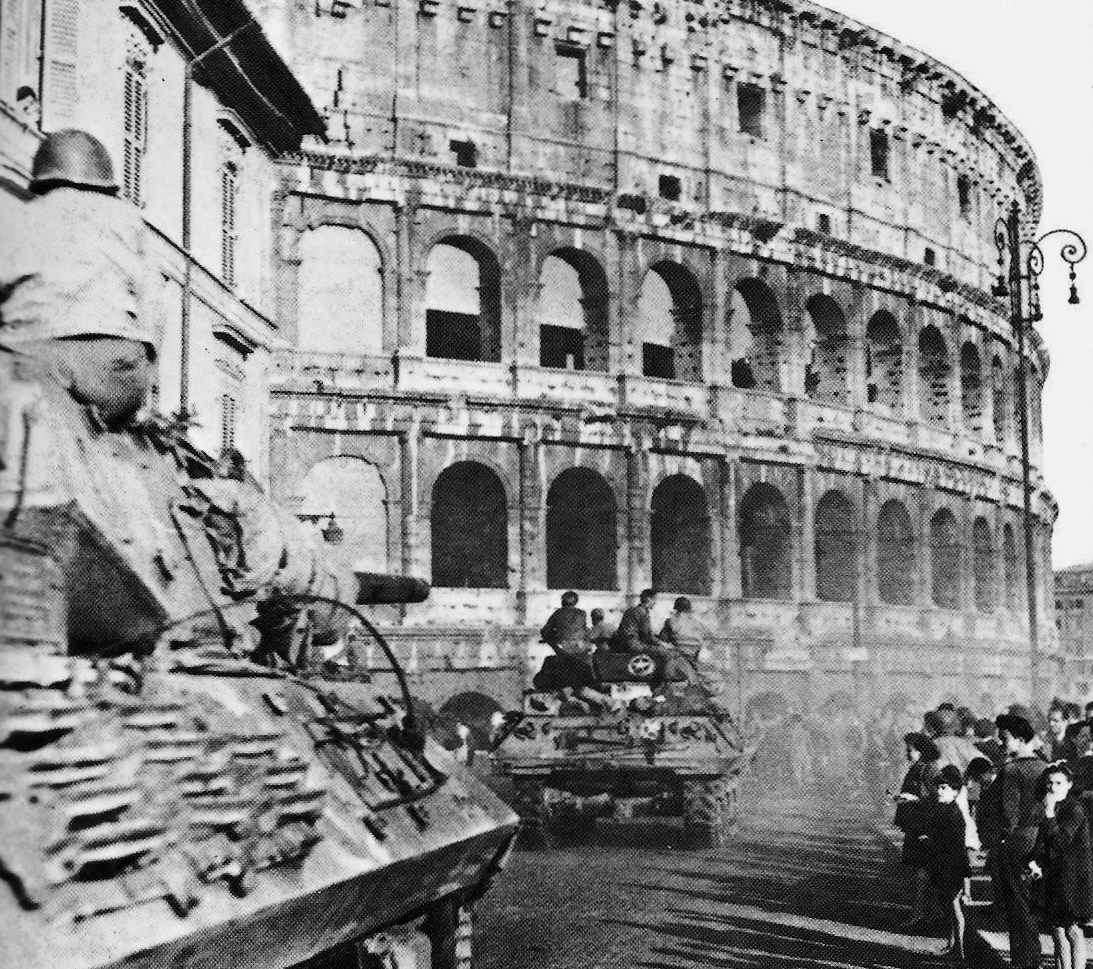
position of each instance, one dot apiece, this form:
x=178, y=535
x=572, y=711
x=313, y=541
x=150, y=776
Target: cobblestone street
x=804, y=884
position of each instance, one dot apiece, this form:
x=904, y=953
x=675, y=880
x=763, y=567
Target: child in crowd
x=946, y=853
x=1062, y=857
x=912, y=802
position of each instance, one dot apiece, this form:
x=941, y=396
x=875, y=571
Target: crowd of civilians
x=1023, y=797
x=1015, y=790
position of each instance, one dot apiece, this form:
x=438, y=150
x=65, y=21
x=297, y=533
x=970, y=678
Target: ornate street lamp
x=1020, y=265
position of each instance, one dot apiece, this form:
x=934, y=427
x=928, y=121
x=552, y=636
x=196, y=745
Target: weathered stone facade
x=1074, y=620
x=732, y=260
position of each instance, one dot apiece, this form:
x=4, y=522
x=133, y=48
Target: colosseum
x=691, y=294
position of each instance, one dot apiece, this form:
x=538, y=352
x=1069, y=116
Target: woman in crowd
x=1063, y=859
x=918, y=788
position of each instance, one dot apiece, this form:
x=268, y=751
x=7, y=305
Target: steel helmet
x=72, y=157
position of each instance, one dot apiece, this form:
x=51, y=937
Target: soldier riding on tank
x=157, y=751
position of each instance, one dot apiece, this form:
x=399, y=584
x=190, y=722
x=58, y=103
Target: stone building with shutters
x=118, y=70
x=601, y=295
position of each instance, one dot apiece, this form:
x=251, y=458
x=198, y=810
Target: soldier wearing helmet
x=89, y=473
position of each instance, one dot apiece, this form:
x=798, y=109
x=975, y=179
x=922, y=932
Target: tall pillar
x=638, y=574
x=804, y=534
x=924, y=599
x=413, y=277
x=909, y=327
x=715, y=358
x=627, y=358
x=797, y=350
x=524, y=288
x=967, y=556
x=867, y=543
x=414, y=536
x=731, y=584
x=856, y=380
x=530, y=524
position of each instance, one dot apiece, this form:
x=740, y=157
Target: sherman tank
x=167, y=801
x=656, y=744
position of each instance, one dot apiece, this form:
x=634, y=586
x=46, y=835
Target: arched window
x=983, y=565
x=836, y=548
x=463, y=301
x=757, y=336
x=669, y=324
x=765, y=544
x=572, y=312
x=350, y=489
x=999, y=399
x=680, y=536
x=971, y=388
x=884, y=361
x=469, y=528
x=896, y=569
x=827, y=378
x=945, y=560
x=1011, y=563
x=934, y=372
x=340, y=298
x=581, y=537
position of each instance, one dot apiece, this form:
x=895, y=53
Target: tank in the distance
x=652, y=746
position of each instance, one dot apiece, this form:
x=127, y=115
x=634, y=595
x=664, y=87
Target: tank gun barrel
x=379, y=589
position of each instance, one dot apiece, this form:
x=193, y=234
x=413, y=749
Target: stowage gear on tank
x=254, y=813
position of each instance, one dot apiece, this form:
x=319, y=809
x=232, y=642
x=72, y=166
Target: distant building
x=1074, y=620
x=599, y=296
x=118, y=70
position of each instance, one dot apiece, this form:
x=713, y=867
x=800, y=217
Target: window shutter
x=59, y=97
x=228, y=197
x=9, y=49
x=135, y=121
x=227, y=422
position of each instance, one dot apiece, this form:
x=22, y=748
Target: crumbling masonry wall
x=774, y=378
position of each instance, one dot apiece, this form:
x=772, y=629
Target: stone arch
x=934, y=372
x=1011, y=569
x=945, y=559
x=680, y=536
x=476, y=711
x=757, y=336
x=896, y=568
x=827, y=377
x=971, y=388
x=983, y=565
x=572, y=311
x=340, y=291
x=352, y=489
x=884, y=361
x=1000, y=395
x=836, y=548
x=669, y=323
x=581, y=532
x=463, y=300
x=469, y=528
x=765, y=549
